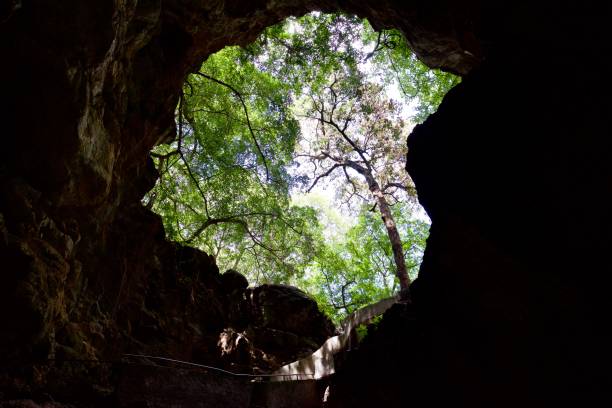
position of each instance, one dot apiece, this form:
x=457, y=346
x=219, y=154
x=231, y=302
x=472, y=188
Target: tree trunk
x=393, y=233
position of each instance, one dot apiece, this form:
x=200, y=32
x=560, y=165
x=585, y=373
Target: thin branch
x=349, y=179
x=327, y=173
x=180, y=151
x=230, y=219
x=397, y=75
x=329, y=290
x=355, y=191
x=401, y=186
x=342, y=132
x=246, y=114
x=376, y=47
x=190, y=87
x=343, y=292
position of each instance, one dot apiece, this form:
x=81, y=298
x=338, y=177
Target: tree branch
x=342, y=132
x=327, y=173
x=401, y=186
x=343, y=291
x=246, y=114
x=231, y=219
x=180, y=151
x=376, y=47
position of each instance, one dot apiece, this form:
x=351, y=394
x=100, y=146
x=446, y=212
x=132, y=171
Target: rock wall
x=514, y=170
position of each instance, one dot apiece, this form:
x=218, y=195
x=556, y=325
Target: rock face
x=512, y=303
x=271, y=325
x=186, y=310
x=286, y=323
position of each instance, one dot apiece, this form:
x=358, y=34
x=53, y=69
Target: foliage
x=316, y=46
x=422, y=87
x=312, y=48
x=358, y=270
x=216, y=191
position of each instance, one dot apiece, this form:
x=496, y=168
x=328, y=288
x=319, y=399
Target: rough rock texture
x=272, y=325
x=187, y=311
x=514, y=170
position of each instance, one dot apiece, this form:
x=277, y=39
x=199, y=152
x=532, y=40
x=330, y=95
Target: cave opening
x=289, y=161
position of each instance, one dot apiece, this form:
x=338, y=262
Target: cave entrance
x=289, y=165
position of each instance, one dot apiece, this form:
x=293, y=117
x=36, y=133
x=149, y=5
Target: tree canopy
x=308, y=103
x=359, y=133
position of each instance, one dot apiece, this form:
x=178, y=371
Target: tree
x=223, y=184
x=360, y=137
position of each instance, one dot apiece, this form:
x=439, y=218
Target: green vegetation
x=306, y=107
x=356, y=269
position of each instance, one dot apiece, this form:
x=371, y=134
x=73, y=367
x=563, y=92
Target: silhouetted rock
x=233, y=280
